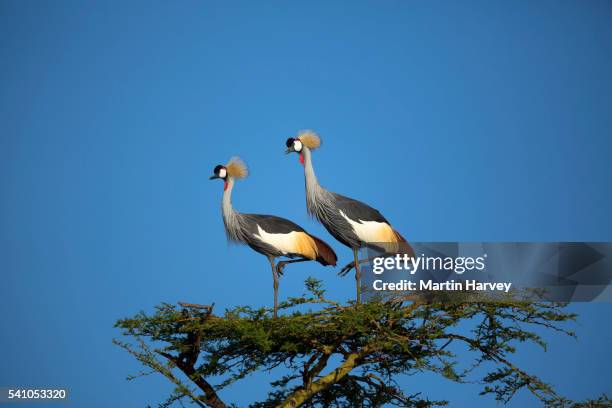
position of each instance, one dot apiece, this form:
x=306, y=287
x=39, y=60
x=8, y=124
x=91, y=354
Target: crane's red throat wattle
x=225, y=185
x=302, y=159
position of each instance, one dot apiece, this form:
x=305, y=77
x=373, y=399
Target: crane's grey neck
x=309, y=173
x=316, y=196
x=227, y=207
x=231, y=218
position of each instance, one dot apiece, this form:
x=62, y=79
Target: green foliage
x=342, y=355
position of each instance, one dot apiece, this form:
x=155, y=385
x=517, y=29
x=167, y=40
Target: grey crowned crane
x=351, y=222
x=269, y=235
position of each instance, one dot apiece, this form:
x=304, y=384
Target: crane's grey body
x=245, y=228
x=334, y=210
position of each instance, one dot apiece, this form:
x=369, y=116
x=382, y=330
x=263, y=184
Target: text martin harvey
x=469, y=285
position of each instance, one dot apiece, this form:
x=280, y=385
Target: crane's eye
x=297, y=145
x=220, y=171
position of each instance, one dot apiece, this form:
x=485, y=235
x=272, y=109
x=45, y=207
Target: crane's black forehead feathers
x=289, y=142
x=218, y=167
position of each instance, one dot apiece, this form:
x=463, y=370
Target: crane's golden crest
x=237, y=168
x=310, y=139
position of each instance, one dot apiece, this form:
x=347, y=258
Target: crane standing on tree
x=351, y=222
x=269, y=235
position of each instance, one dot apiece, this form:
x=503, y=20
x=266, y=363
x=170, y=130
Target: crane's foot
x=351, y=265
x=346, y=269
x=281, y=264
x=279, y=267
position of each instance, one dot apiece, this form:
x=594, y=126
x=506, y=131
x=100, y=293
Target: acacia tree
x=344, y=355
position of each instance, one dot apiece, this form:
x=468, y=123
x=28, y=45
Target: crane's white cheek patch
x=292, y=243
x=371, y=231
x=297, y=146
x=222, y=173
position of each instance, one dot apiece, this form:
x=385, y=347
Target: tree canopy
x=345, y=355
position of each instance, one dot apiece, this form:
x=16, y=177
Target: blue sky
x=481, y=121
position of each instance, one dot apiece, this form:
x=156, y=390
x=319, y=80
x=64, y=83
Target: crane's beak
x=213, y=177
x=289, y=150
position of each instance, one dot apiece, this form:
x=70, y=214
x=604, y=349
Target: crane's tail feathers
x=325, y=253
x=404, y=246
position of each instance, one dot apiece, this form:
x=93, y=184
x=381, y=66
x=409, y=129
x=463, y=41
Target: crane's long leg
x=357, y=273
x=281, y=264
x=275, y=284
